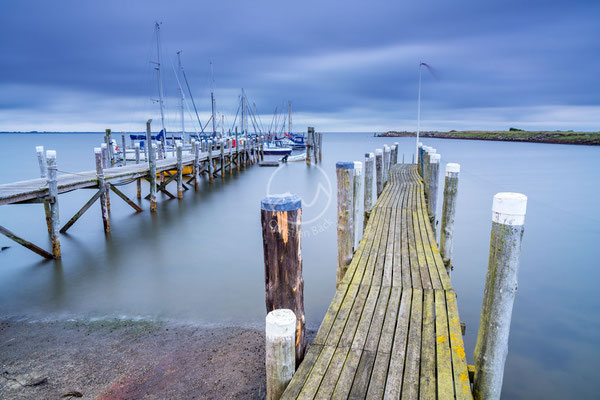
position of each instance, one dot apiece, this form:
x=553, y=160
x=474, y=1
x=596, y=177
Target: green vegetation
x=512, y=135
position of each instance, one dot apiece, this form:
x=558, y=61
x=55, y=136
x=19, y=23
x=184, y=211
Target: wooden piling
x=320, y=146
x=386, y=163
x=508, y=219
x=315, y=146
x=379, y=171
x=356, y=201
x=123, y=150
x=196, y=169
x=345, y=213
x=41, y=156
x=179, y=152
x=111, y=158
x=279, y=350
x=237, y=150
x=53, y=199
x=448, y=214
x=281, y=217
x=102, y=189
x=210, y=163
x=137, y=161
x=105, y=157
x=222, y=145
x=397, y=149
x=368, y=201
x=152, y=147
x=309, y=134
x=434, y=169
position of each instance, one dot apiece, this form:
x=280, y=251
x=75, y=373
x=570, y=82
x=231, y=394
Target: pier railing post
x=434, y=174
x=320, y=145
x=386, y=163
x=108, y=141
x=123, y=150
x=356, y=202
x=281, y=217
x=210, y=161
x=345, y=212
x=102, y=188
x=279, y=350
x=41, y=156
x=151, y=165
x=309, y=135
x=448, y=214
x=222, y=145
x=397, y=149
x=196, y=150
x=379, y=171
x=316, y=146
x=105, y=164
x=53, y=198
x=237, y=150
x=137, y=161
x=508, y=219
x=179, y=152
x=369, y=161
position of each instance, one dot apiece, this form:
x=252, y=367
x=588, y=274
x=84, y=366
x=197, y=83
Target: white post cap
x=97, y=150
x=420, y=144
x=386, y=147
x=39, y=149
x=435, y=158
x=452, y=168
x=371, y=155
x=51, y=154
x=357, y=168
x=378, y=152
x=136, y=145
x=509, y=208
x=280, y=323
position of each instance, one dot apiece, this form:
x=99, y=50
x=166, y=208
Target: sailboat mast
x=182, y=99
x=290, y=117
x=418, y=116
x=243, y=113
x=160, y=85
x=212, y=99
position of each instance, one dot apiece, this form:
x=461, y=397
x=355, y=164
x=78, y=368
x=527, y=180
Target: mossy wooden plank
x=333, y=373
x=397, y=359
x=424, y=230
x=362, y=375
x=415, y=271
x=410, y=383
x=376, y=325
x=388, y=262
x=342, y=316
x=342, y=389
x=313, y=381
x=297, y=382
x=389, y=324
x=376, y=388
x=379, y=261
x=427, y=389
x=445, y=382
x=422, y=263
x=373, y=255
x=360, y=265
x=405, y=252
x=354, y=317
x=365, y=319
x=460, y=371
x=331, y=314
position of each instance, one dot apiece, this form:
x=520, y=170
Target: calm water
x=199, y=260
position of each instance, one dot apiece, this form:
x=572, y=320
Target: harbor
x=299, y=200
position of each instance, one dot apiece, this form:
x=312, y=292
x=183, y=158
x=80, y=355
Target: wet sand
x=119, y=359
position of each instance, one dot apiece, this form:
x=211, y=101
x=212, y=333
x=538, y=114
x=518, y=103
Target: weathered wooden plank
x=330, y=315
x=427, y=380
x=410, y=384
x=347, y=336
x=342, y=389
x=365, y=320
x=445, y=383
x=396, y=369
x=362, y=375
x=299, y=378
x=311, y=386
x=462, y=387
x=333, y=373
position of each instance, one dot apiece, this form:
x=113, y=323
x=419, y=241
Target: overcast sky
x=345, y=65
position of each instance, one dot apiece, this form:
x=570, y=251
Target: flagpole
x=418, y=116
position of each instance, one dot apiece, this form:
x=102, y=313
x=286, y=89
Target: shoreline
x=551, y=137
x=124, y=359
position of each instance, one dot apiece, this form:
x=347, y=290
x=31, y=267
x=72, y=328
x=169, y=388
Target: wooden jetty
x=211, y=158
x=392, y=329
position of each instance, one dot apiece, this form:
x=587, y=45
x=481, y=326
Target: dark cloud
x=329, y=58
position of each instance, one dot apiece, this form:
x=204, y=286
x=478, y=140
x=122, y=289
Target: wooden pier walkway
x=392, y=329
